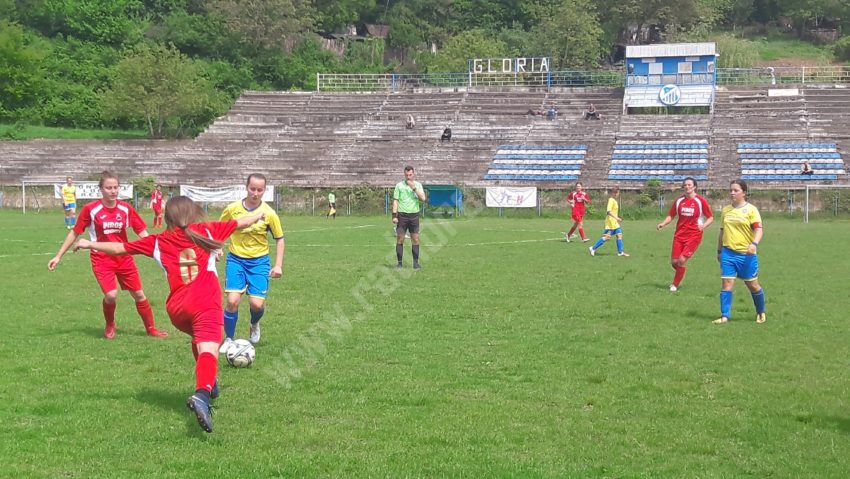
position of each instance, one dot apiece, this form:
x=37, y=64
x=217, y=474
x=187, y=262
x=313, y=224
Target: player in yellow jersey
x=248, y=265
x=69, y=202
x=612, y=224
x=737, y=251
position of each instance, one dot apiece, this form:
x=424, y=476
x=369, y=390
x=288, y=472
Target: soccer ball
x=241, y=353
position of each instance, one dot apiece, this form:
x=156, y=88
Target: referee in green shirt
x=406, y=199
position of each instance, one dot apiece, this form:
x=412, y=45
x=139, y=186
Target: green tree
x=568, y=31
x=113, y=22
x=266, y=23
x=332, y=15
x=21, y=69
x=453, y=56
x=160, y=86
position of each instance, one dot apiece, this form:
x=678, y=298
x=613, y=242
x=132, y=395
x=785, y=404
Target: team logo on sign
x=670, y=95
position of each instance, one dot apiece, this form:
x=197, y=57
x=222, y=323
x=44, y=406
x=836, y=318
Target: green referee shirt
x=408, y=202
x=331, y=198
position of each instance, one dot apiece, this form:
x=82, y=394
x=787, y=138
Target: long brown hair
x=180, y=212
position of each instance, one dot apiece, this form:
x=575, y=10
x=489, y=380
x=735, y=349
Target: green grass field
x=511, y=354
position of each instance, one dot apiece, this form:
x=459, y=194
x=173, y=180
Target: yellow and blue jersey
x=252, y=241
x=69, y=194
x=739, y=225
x=613, y=207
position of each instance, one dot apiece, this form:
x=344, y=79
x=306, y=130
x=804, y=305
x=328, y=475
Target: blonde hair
x=180, y=212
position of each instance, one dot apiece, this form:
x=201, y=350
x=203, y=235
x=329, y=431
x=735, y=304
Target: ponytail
x=181, y=212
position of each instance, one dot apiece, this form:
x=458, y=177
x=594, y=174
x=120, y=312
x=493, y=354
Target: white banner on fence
x=225, y=194
x=89, y=190
x=512, y=197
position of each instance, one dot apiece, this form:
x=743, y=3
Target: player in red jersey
x=577, y=199
x=186, y=250
x=156, y=206
x=695, y=216
x=108, y=219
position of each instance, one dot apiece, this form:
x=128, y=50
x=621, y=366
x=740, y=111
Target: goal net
x=826, y=201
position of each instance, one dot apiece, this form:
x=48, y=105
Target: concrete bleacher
x=782, y=161
x=665, y=160
x=351, y=139
x=537, y=163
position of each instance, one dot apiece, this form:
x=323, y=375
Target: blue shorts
x=738, y=265
x=613, y=232
x=247, y=274
x=70, y=206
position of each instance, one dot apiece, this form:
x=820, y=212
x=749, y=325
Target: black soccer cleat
x=201, y=407
x=214, y=393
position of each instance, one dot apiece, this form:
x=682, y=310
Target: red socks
x=581, y=233
x=206, y=369
x=571, y=231
x=677, y=278
x=145, y=311
x=109, y=313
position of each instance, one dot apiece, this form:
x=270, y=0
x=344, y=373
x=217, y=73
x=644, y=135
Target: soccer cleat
x=157, y=333
x=398, y=266
x=567, y=237
x=201, y=407
x=592, y=251
x=761, y=317
x=225, y=345
x=721, y=320
x=623, y=254
x=254, y=335
x=109, y=331
x=585, y=240
x=214, y=392
x=673, y=288
x=416, y=266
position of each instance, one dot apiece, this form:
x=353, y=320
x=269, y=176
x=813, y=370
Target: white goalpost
x=836, y=199
x=32, y=184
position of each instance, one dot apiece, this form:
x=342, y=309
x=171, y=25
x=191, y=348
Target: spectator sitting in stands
x=447, y=135
x=552, y=112
x=806, y=169
x=534, y=112
x=591, y=113
x=410, y=122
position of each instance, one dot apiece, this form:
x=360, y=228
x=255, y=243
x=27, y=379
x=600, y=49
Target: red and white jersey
x=108, y=224
x=188, y=267
x=578, y=198
x=692, y=212
x=156, y=199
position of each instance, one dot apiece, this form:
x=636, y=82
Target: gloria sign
x=509, y=65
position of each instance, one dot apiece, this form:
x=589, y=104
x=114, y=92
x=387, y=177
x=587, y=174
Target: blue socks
x=230, y=323
x=726, y=304
x=758, y=301
x=599, y=243
x=619, y=245
x=256, y=315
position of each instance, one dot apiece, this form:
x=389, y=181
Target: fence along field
x=512, y=353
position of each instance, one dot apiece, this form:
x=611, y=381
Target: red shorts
x=685, y=246
x=578, y=215
x=157, y=210
x=110, y=271
x=203, y=322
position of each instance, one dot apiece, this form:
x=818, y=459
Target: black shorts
x=332, y=205
x=407, y=222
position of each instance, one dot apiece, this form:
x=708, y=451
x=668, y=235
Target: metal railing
x=783, y=75
x=393, y=82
